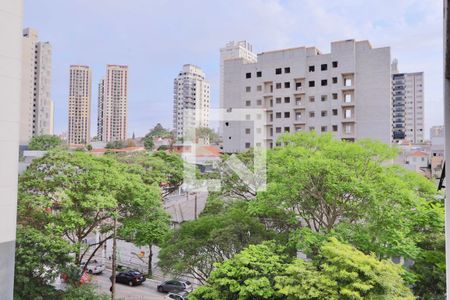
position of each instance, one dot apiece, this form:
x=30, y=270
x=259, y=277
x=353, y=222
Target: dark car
x=175, y=286
x=130, y=277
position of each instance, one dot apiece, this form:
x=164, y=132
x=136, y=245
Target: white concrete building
x=11, y=13
x=346, y=92
x=190, y=101
x=407, y=105
x=112, y=121
x=36, y=104
x=80, y=90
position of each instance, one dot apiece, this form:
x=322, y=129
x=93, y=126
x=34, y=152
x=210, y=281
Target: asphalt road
x=145, y=291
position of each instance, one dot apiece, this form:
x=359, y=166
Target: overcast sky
x=156, y=37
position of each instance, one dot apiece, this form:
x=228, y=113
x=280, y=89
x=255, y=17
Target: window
x=334, y=112
x=348, y=113
x=259, y=102
x=259, y=74
x=227, y=124
x=348, y=82
x=311, y=114
x=247, y=130
x=334, y=79
x=258, y=116
x=259, y=88
x=323, y=98
x=298, y=85
x=278, y=71
x=348, y=129
x=311, y=128
x=323, y=113
x=334, y=95
x=278, y=130
x=323, y=82
x=311, y=68
x=287, y=100
x=335, y=128
x=287, y=85
x=334, y=64
x=258, y=130
x=311, y=83
x=348, y=98
x=247, y=117
x=287, y=129
x=247, y=145
x=278, y=85
x=311, y=99
x=247, y=103
x=323, y=128
x=258, y=144
x=278, y=115
x=287, y=70
x=278, y=100
x=248, y=89
x=287, y=114
x=248, y=75
x=323, y=67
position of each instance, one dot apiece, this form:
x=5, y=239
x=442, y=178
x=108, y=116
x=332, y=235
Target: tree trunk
x=150, y=256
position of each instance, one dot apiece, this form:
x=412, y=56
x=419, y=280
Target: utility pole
x=195, y=206
x=113, y=279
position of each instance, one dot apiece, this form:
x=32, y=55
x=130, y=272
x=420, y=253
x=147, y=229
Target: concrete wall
x=10, y=86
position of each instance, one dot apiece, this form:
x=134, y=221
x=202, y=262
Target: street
x=146, y=291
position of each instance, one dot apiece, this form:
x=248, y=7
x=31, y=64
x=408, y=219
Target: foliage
x=197, y=245
x=159, y=168
x=74, y=194
x=250, y=274
x=116, y=145
x=207, y=134
x=342, y=272
x=44, y=142
x=84, y=292
x=157, y=131
x=40, y=258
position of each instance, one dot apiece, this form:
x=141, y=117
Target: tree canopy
x=44, y=142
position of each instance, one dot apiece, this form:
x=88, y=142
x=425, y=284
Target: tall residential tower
x=80, y=90
x=36, y=104
x=346, y=92
x=191, y=100
x=112, y=124
x=407, y=105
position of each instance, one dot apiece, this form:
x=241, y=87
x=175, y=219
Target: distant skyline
x=156, y=38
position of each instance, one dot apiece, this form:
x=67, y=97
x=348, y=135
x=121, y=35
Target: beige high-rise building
x=346, y=92
x=407, y=105
x=36, y=104
x=190, y=101
x=80, y=90
x=112, y=122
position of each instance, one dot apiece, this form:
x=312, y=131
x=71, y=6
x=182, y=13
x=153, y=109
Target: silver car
x=175, y=286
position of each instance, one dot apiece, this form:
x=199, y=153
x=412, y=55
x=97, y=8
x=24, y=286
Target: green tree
x=159, y=168
x=116, y=145
x=250, y=274
x=197, y=245
x=207, y=134
x=157, y=131
x=75, y=194
x=40, y=258
x=44, y=142
x=341, y=272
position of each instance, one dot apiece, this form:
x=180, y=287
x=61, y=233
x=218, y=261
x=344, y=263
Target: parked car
x=177, y=296
x=93, y=267
x=175, y=286
x=130, y=277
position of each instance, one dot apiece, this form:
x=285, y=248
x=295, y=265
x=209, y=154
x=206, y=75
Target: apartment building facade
x=36, y=104
x=191, y=100
x=112, y=120
x=80, y=91
x=407, y=106
x=346, y=92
